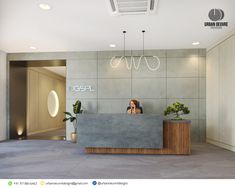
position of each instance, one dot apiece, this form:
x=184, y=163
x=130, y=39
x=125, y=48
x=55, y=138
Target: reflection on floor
x=62, y=159
x=58, y=134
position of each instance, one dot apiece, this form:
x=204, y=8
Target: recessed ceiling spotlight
x=44, y=6
x=112, y=45
x=32, y=47
x=195, y=43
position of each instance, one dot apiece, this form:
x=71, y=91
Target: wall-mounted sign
x=82, y=88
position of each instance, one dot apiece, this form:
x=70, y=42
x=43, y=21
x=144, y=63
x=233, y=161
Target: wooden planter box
x=176, y=137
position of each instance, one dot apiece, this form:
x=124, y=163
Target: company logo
x=94, y=183
x=216, y=16
x=82, y=88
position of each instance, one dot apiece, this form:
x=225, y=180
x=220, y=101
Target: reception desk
x=132, y=134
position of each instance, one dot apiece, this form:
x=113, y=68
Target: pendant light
x=156, y=60
x=116, y=60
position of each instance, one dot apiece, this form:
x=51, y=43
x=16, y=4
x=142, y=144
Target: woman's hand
x=133, y=110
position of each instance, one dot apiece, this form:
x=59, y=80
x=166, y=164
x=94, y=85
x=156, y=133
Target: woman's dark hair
x=135, y=102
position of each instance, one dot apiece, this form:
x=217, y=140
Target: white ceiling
x=60, y=70
x=87, y=25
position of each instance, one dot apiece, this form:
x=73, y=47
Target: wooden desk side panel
x=176, y=140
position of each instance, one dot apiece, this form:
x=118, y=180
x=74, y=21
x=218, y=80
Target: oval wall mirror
x=53, y=103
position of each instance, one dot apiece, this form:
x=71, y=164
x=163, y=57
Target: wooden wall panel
x=40, y=83
x=32, y=101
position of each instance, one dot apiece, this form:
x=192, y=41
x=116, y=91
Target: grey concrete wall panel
x=195, y=131
x=82, y=68
x=144, y=72
x=159, y=53
x=88, y=105
x=153, y=106
x=120, y=131
x=202, y=52
x=3, y=97
x=182, y=53
x=114, y=88
x=202, y=130
x=113, y=105
x=202, y=88
x=110, y=54
x=202, y=108
x=149, y=88
x=105, y=70
x=202, y=66
x=182, y=88
x=182, y=67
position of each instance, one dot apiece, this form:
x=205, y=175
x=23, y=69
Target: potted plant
x=73, y=119
x=178, y=130
x=176, y=109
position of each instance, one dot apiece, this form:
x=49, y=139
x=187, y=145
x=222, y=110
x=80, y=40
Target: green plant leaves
x=76, y=110
x=65, y=119
x=77, y=107
x=177, y=109
x=72, y=119
x=68, y=113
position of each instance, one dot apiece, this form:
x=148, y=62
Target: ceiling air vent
x=125, y=7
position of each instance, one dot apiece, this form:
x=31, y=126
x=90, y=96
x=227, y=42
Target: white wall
x=3, y=70
x=221, y=94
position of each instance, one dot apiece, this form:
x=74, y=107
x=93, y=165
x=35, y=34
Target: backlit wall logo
x=216, y=16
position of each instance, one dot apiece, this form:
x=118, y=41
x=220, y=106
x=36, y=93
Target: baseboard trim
x=222, y=145
x=3, y=140
x=43, y=131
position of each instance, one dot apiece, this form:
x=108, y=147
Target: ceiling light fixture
x=112, y=45
x=116, y=60
x=44, y=6
x=195, y=43
x=33, y=47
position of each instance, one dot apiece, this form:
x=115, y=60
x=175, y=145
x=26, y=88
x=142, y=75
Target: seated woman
x=134, y=107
